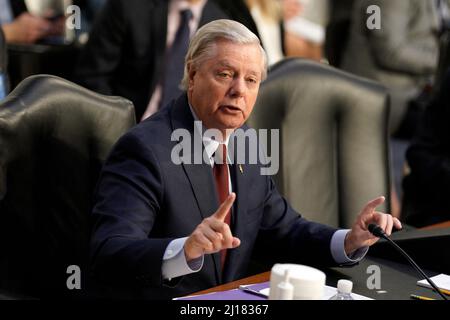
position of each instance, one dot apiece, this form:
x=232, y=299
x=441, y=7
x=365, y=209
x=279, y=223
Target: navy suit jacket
x=144, y=201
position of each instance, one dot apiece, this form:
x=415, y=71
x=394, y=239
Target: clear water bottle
x=344, y=290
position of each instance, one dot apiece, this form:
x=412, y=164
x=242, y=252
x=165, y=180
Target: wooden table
x=398, y=282
x=441, y=225
x=262, y=277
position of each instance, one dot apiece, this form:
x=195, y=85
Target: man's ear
x=191, y=72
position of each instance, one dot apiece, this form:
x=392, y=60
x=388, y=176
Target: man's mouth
x=230, y=108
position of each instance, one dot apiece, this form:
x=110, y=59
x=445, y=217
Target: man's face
x=223, y=89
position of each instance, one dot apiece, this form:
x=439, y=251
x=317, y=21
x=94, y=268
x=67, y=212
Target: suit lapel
x=158, y=36
x=240, y=187
x=210, y=13
x=158, y=14
x=200, y=175
x=238, y=10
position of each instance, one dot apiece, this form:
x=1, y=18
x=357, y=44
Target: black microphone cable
x=378, y=232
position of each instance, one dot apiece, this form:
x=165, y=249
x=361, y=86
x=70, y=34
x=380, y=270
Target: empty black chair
x=333, y=127
x=54, y=138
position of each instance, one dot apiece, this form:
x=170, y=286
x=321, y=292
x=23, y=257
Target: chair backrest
x=54, y=138
x=3, y=66
x=334, y=148
x=444, y=60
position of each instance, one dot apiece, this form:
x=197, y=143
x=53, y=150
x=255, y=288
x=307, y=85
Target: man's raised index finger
x=371, y=205
x=222, y=212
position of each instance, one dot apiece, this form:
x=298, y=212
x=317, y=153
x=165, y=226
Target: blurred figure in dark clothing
x=427, y=187
x=266, y=19
x=20, y=26
x=129, y=45
x=337, y=30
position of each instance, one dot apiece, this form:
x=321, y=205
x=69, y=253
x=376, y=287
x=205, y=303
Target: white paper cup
x=308, y=282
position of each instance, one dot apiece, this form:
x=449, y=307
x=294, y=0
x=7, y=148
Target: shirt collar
x=196, y=8
x=210, y=144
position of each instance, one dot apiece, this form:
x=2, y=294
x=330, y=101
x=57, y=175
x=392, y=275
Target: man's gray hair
x=205, y=37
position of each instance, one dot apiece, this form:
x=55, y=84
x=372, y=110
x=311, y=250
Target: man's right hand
x=213, y=234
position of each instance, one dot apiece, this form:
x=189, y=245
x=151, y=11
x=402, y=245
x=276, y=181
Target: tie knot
x=220, y=156
x=186, y=15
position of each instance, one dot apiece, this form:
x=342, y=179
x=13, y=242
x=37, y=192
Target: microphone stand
x=378, y=232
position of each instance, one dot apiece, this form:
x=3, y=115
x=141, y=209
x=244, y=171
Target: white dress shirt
x=270, y=33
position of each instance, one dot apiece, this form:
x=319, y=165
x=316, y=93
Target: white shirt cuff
x=174, y=261
x=337, y=248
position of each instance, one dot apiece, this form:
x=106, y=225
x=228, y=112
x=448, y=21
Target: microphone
x=378, y=232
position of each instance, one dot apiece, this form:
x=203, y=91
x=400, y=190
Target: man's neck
x=225, y=133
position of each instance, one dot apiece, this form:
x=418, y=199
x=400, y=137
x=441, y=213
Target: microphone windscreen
x=375, y=230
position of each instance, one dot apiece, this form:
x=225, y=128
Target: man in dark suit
x=126, y=51
x=167, y=221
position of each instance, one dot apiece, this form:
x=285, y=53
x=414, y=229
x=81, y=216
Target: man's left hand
x=359, y=236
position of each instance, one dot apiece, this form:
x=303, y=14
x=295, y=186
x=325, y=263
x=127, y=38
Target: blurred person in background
x=134, y=49
x=21, y=26
x=305, y=30
x=265, y=18
x=427, y=186
x=4, y=83
x=402, y=54
x=90, y=10
x=337, y=30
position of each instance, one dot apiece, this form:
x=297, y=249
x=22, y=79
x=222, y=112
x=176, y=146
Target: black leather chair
x=3, y=66
x=334, y=148
x=54, y=137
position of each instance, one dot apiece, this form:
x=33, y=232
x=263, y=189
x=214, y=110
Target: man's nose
x=238, y=87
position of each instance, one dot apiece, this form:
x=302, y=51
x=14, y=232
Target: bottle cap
x=285, y=288
x=345, y=286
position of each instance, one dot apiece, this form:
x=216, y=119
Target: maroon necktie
x=220, y=171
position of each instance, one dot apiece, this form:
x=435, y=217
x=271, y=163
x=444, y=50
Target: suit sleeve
x=102, y=53
x=392, y=47
x=128, y=198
